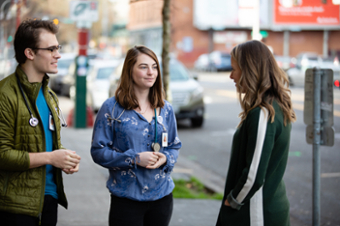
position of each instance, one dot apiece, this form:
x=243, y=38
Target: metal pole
x=256, y=22
x=325, y=43
x=316, y=146
x=286, y=43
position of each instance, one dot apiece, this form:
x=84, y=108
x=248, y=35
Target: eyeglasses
x=53, y=49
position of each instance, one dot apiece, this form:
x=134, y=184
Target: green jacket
x=22, y=189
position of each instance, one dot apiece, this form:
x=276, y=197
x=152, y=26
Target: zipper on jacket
x=42, y=196
x=39, y=216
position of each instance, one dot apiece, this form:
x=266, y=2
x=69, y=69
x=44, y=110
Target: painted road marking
x=296, y=106
x=328, y=175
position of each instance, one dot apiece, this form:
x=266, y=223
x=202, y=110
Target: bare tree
x=166, y=47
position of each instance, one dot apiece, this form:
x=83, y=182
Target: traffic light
x=324, y=1
x=56, y=21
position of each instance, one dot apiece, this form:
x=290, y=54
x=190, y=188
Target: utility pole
x=166, y=48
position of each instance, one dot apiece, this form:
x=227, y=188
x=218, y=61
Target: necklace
x=144, y=110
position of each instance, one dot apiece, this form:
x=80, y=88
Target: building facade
x=203, y=26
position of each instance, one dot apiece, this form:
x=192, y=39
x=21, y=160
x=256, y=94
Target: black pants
x=126, y=212
x=48, y=217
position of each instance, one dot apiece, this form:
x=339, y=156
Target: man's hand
x=65, y=159
x=161, y=160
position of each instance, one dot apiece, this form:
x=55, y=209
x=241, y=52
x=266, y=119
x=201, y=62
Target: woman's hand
x=147, y=158
x=161, y=160
x=226, y=202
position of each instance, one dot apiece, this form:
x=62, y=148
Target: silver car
x=186, y=93
x=97, y=82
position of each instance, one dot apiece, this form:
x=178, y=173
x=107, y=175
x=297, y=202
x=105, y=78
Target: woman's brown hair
x=125, y=93
x=262, y=81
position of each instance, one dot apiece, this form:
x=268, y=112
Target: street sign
x=326, y=133
x=325, y=103
x=326, y=97
x=84, y=10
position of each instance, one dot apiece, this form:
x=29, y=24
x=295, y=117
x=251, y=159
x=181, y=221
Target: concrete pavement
x=89, y=199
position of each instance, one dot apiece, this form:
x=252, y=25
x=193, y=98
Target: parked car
x=219, y=61
x=64, y=64
x=296, y=75
x=98, y=82
x=307, y=60
x=202, y=62
x=187, y=93
x=67, y=80
x=284, y=62
x=332, y=63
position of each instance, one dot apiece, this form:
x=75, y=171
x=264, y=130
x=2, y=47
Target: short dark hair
x=27, y=36
x=125, y=94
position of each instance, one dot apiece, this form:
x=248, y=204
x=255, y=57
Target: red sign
x=307, y=12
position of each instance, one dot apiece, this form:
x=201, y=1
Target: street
x=209, y=149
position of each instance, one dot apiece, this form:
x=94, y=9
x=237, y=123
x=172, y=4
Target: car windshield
x=178, y=72
x=104, y=73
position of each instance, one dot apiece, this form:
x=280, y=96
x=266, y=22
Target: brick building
x=190, y=39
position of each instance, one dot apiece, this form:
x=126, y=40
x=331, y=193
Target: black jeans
x=126, y=212
x=48, y=217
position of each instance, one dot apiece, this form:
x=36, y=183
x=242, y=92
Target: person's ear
x=29, y=53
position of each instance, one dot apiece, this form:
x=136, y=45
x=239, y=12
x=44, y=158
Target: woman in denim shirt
x=124, y=142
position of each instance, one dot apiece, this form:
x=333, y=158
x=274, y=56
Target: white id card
x=51, y=123
x=164, y=139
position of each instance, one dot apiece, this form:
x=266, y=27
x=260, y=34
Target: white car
x=296, y=75
x=98, y=82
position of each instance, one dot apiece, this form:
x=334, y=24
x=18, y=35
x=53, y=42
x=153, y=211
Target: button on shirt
x=116, y=144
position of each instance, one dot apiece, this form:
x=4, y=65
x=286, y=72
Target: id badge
x=164, y=139
x=51, y=123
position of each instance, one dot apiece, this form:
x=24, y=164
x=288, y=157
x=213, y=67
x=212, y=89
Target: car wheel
x=291, y=83
x=197, y=122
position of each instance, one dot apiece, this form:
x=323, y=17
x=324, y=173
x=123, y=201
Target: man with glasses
x=31, y=155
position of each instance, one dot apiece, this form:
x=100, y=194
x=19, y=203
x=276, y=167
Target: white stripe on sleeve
x=256, y=209
x=261, y=132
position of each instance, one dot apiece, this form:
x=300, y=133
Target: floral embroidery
x=145, y=189
x=114, y=182
x=145, y=132
x=131, y=173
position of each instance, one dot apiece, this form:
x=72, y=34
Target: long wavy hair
x=261, y=81
x=125, y=93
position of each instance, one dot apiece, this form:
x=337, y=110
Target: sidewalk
x=89, y=198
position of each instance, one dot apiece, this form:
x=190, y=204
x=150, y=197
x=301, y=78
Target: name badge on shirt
x=51, y=123
x=164, y=139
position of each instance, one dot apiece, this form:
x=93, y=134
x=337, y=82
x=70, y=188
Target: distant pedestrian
x=255, y=192
x=135, y=138
x=31, y=155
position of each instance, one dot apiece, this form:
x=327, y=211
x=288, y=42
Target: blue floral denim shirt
x=115, y=144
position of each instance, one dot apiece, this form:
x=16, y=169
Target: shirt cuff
x=233, y=202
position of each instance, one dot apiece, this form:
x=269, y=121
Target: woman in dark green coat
x=255, y=192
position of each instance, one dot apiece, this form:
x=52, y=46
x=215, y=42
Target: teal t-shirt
x=44, y=111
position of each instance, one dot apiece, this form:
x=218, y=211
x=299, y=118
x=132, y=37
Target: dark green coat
x=254, y=185
x=22, y=189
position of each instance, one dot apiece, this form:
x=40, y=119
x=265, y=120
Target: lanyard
x=156, y=146
x=155, y=126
